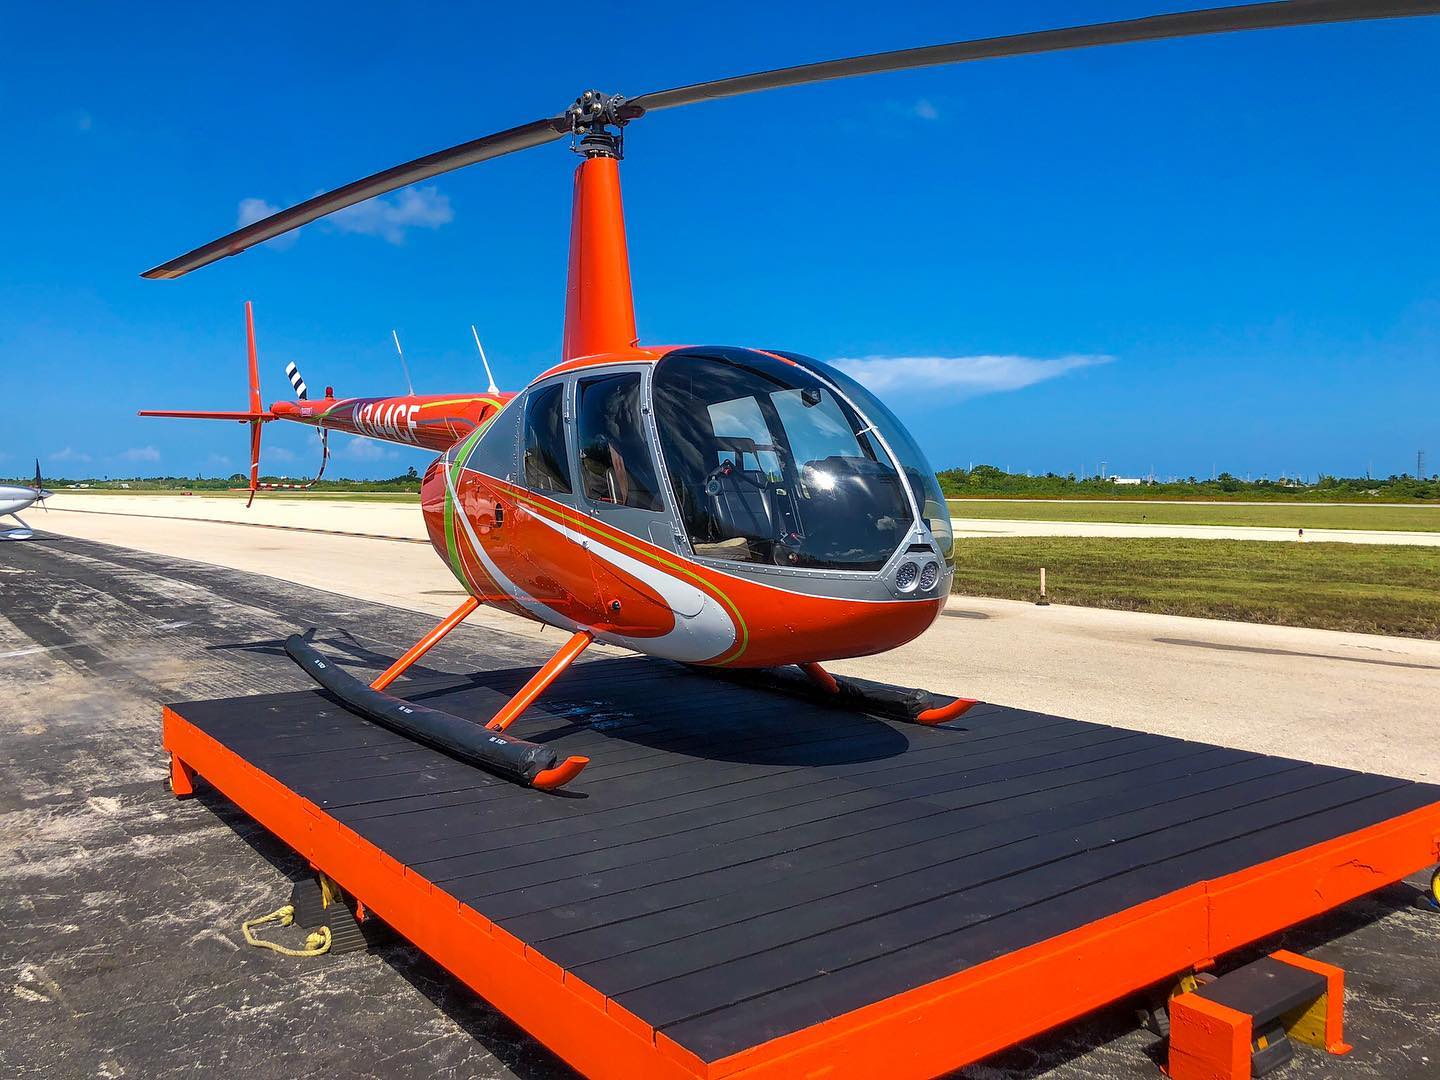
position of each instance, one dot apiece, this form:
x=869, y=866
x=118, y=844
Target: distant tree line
x=982, y=481
x=987, y=481
x=408, y=481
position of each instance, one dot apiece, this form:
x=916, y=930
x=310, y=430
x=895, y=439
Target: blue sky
x=1186, y=255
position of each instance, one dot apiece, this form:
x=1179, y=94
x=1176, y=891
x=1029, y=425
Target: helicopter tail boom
x=425, y=421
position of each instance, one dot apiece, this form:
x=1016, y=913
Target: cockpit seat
x=738, y=507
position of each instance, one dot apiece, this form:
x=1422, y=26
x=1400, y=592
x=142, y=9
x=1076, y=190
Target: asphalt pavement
x=120, y=906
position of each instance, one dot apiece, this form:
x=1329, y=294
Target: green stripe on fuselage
x=457, y=465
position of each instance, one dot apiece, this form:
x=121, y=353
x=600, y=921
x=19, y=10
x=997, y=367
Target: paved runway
x=1335, y=698
x=403, y=521
x=121, y=907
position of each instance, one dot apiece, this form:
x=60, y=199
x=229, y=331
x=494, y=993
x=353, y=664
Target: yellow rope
x=316, y=943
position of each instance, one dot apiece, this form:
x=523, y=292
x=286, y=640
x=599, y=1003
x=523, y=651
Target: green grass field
x=1276, y=515
x=1376, y=589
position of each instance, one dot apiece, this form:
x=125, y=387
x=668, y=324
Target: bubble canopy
x=918, y=473
x=773, y=460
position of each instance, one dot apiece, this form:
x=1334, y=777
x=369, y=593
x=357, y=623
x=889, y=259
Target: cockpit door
x=620, y=487
x=552, y=565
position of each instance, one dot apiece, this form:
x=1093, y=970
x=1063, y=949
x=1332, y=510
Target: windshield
x=769, y=465
x=923, y=484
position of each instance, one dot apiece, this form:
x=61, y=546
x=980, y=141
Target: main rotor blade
x=1156, y=27
x=1153, y=28
x=523, y=137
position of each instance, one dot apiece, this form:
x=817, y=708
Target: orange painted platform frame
x=925, y=1032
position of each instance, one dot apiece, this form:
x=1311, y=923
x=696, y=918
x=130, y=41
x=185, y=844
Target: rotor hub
x=591, y=118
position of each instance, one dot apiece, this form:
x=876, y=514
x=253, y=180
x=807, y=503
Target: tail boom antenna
x=409, y=386
x=489, y=376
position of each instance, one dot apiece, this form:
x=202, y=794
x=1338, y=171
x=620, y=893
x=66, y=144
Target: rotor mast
x=599, y=304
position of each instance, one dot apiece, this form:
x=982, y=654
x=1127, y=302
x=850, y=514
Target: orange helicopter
x=727, y=507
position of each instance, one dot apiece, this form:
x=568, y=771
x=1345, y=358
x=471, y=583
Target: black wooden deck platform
x=736, y=865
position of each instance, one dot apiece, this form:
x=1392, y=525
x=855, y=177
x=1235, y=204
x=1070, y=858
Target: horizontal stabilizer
x=192, y=415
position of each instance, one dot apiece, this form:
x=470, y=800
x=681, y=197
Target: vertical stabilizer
x=255, y=407
x=599, y=309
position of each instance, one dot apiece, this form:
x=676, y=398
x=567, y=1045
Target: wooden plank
x=710, y=990
x=737, y=865
x=969, y=877
x=814, y=887
x=925, y=824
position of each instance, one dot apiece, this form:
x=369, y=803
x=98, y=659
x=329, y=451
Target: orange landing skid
x=820, y=677
x=939, y=714
x=945, y=713
x=426, y=643
x=361, y=829
x=553, y=669
x=516, y=760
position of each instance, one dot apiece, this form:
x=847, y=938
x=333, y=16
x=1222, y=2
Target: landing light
x=906, y=577
x=929, y=576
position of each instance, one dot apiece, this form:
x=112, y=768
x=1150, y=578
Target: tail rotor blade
x=324, y=454
x=293, y=374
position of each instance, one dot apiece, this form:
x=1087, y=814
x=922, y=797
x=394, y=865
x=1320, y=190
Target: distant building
x=1127, y=480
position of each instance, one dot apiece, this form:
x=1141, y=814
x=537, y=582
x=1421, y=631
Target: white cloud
x=366, y=450
x=925, y=109
x=141, y=453
x=959, y=376
x=69, y=454
x=389, y=217
x=217, y=459
x=253, y=210
x=280, y=453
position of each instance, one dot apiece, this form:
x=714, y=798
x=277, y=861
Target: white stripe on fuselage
x=704, y=636
x=700, y=636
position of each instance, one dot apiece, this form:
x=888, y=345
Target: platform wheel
x=1154, y=1016
x=1435, y=889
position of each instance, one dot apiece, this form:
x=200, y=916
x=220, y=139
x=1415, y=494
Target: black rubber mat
x=736, y=864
